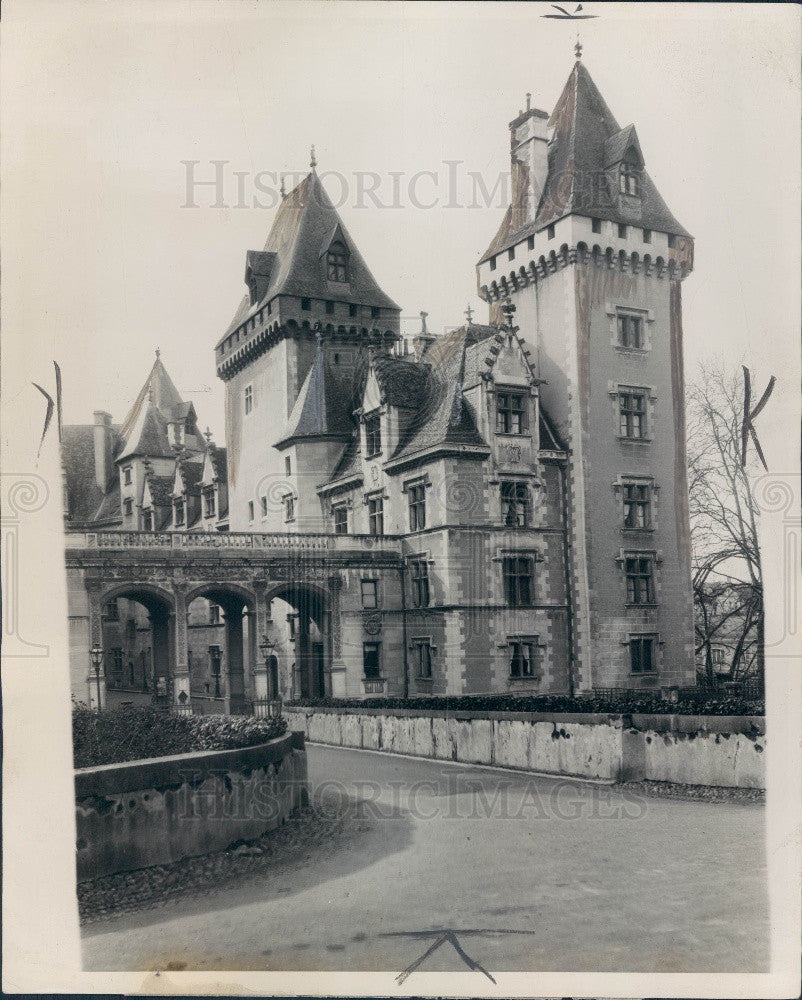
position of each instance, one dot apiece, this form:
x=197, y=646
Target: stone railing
x=228, y=540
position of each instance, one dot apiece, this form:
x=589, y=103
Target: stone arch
x=311, y=603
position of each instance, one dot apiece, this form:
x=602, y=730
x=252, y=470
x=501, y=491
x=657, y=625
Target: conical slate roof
x=323, y=407
x=586, y=142
x=293, y=261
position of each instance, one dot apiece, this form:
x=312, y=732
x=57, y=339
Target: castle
x=524, y=480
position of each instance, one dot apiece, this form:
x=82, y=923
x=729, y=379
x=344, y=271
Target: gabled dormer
x=623, y=161
x=213, y=488
x=335, y=259
x=185, y=493
x=156, y=508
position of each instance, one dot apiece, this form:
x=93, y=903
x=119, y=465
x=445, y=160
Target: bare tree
x=727, y=578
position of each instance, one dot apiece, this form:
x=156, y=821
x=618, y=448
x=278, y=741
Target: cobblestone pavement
x=534, y=873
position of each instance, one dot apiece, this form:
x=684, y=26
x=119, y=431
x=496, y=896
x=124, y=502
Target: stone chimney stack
x=529, y=151
x=103, y=449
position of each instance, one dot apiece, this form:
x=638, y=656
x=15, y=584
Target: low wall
x=694, y=750
x=151, y=812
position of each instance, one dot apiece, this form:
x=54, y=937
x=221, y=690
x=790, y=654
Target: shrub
x=137, y=732
x=624, y=702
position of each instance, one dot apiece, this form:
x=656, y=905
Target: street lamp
x=96, y=653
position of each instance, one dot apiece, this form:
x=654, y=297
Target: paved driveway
x=532, y=873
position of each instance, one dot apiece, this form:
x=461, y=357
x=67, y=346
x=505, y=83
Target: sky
x=105, y=258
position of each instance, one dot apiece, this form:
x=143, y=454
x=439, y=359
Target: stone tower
x=594, y=260
x=291, y=361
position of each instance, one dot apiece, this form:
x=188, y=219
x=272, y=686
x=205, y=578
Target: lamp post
x=96, y=654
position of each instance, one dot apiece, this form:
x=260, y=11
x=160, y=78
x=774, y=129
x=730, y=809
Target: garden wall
x=151, y=812
x=726, y=751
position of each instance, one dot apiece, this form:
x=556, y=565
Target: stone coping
x=162, y=772
x=653, y=722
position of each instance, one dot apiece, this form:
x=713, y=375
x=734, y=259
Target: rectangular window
x=248, y=398
x=417, y=506
x=373, y=435
x=216, y=668
x=419, y=578
x=514, y=504
x=374, y=312
x=250, y=510
x=179, y=512
x=630, y=330
x=147, y=520
x=423, y=659
x=113, y=611
x=340, y=519
x=209, y=501
x=595, y=225
x=717, y=656
x=371, y=659
x=530, y=243
x=522, y=657
x=672, y=240
x=511, y=253
x=376, y=515
x=641, y=654
x=117, y=662
x=629, y=179
x=550, y=232
x=306, y=304
x=128, y=506
x=511, y=413
x=287, y=465
x=292, y=622
x=639, y=570
x=370, y=595
x=647, y=236
x=622, y=231
x=492, y=263
x=632, y=413
x=518, y=580
x=214, y=614
x=127, y=475
x=637, y=505
x=329, y=308
x=289, y=508
x=352, y=309
x=263, y=506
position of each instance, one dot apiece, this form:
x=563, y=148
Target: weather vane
x=566, y=15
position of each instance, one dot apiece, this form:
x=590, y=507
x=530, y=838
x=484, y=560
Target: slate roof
x=84, y=497
x=219, y=459
x=401, y=381
x=147, y=435
x=324, y=405
x=190, y=473
x=305, y=225
x=161, y=488
x=586, y=137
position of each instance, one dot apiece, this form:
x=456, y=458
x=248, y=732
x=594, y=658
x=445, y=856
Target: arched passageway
x=300, y=638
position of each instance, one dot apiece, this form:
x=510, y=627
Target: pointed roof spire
x=578, y=48
x=312, y=158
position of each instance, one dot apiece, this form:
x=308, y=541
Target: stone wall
x=150, y=812
x=726, y=751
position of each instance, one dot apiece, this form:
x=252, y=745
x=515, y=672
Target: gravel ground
x=322, y=828
x=698, y=793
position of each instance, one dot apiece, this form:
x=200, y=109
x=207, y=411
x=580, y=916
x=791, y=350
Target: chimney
x=529, y=151
x=103, y=450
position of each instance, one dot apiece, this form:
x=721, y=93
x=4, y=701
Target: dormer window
x=629, y=179
x=373, y=435
x=337, y=262
x=178, y=513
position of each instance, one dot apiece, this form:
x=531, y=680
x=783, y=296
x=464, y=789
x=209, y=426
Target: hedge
x=136, y=733
x=626, y=702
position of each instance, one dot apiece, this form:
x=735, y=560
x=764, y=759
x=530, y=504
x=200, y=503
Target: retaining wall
x=150, y=812
x=728, y=751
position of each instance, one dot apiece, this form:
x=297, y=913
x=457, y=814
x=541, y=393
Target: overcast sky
x=103, y=261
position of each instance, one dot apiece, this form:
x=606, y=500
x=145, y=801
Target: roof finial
x=282, y=189
x=158, y=353
x=207, y=434
x=319, y=334
x=423, y=316
x=469, y=314
x=508, y=309
x=312, y=158
x=528, y=102
x=150, y=390
x=578, y=48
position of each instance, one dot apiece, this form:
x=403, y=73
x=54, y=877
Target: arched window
x=337, y=262
x=629, y=179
